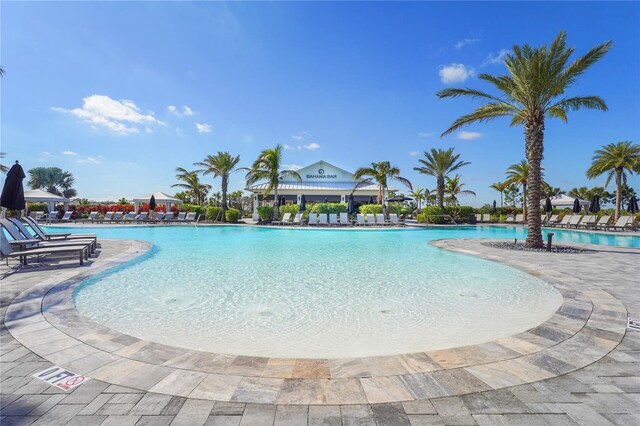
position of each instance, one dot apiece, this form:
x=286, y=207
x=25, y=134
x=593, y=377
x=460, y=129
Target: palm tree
x=220, y=165
x=615, y=159
x=547, y=190
x=453, y=187
x=191, y=182
x=267, y=167
x=440, y=163
x=518, y=174
x=53, y=180
x=500, y=187
x=3, y=168
x=582, y=192
x=419, y=194
x=534, y=89
x=1, y=71
x=380, y=173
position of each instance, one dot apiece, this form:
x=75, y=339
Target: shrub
x=502, y=218
x=265, y=212
x=370, y=208
x=232, y=215
x=38, y=207
x=431, y=214
x=328, y=208
x=193, y=208
x=289, y=208
x=213, y=213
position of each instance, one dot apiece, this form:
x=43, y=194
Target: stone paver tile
x=247, y=366
x=87, y=364
x=418, y=362
x=59, y=415
x=452, y=410
x=221, y=420
x=219, y=387
x=458, y=381
x=86, y=393
x=385, y=389
x=258, y=415
x=301, y=391
x=201, y=361
x=490, y=419
x=174, y=406
x=324, y=415
x=115, y=409
x=311, y=369
x=155, y=421
x=343, y=391
x=18, y=420
x=151, y=404
x=425, y=420
x=279, y=368
x=51, y=402
x=584, y=415
x=97, y=403
x=419, y=407
x=125, y=398
x=24, y=405
x=508, y=373
x=261, y=390
x=223, y=408
x=357, y=415
x=385, y=365
x=179, y=382
x=390, y=414
x=622, y=419
x=86, y=420
x=348, y=367
x=193, y=412
x=539, y=419
x=422, y=386
x=121, y=421
x=291, y=415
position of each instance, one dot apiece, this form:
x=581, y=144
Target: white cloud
x=466, y=41
x=46, y=153
x=495, y=59
x=185, y=111
x=312, y=146
x=414, y=153
x=425, y=134
x=67, y=152
x=122, y=117
x=91, y=160
x=292, y=167
x=203, y=127
x=287, y=147
x=172, y=109
x=296, y=137
x=455, y=73
x=467, y=136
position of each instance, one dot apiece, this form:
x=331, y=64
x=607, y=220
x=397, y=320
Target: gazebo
x=563, y=200
x=42, y=196
x=161, y=198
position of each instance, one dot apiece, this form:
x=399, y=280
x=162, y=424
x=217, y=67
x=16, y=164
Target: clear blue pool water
x=316, y=293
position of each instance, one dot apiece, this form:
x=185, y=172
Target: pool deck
x=582, y=366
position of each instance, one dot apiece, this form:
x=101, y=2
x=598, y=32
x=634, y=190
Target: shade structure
x=548, y=207
x=41, y=196
x=152, y=203
x=12, y=196
x=576, y=206
x=563, y=200
x=594, y=207
x=160, y=197
x=351, y=205
x=633, y=205
x=303, y=203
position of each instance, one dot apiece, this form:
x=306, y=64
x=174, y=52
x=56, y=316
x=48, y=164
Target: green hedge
x=265, y=212
x=328, y=208
x=213, y=213
x=232, y=215
x=38, y=207
x=198, y=210
x=289, y=208
x=370, y=208
x=432, y=214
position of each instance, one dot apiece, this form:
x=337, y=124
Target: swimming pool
x=314, y=293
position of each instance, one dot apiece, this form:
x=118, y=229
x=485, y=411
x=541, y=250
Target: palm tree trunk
x=501, y=193
x=534, y=138
x=225, y=183
x=384, y=207
x=618, y=193
x=524, y=201
x=276, y=209
x=440, y=184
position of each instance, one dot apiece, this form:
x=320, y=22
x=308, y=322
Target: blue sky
x=121, y=93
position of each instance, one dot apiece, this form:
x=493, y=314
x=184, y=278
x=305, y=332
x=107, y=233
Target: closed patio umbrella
x=594, y=207
x=326, y=200
x=152, y=205
x=495, y=207
x=12, y=196
x=633, y=205
x=576, y=206
x=283, y=201
x=548, y=207
x=303, y=203
x=351, y=206
x=371, y=200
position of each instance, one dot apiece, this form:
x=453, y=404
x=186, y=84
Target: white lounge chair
x=486, y=217
x=333, y=219
x=564, y=222
x=284, y=221
x=322, y=219
x=371, y=219
x=117, y=217
x=130, y=217
x=92, y=216
x=21, y=237
x=46, y=236
x=191, y=217
x=519, y=218
x=66, y=217
x=603, y=222
x=142, y=216
x=168, y=217
x=344, y=219
x=360, y=220
x=587, y=221
x=380, y=219
x=574, y=221
x=181, y=216
x=551, y=220
x=6, y=251
x=313, y=219
x=297, y=220
x=621, y=223
x=393, y=219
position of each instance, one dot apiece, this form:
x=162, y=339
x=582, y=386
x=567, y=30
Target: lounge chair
x=168, y=217
x=371, y=219
x=45, y=236
x=380, y=219
x=142, y=216
x=26, y=241
x=393, y=219
x=621, y=223
x=360, y=220
x=333, y=219
x=284, y=221
x=519, y=218
x=564, y=221
x=108, y=217
x=510, y=219
x=602, y=223
x=344, y=219
x=130, y=217
x=66, y=217
x=297, y=219
x=38, y=215
x=552, y=221
x=181, y=217
x=313, y=219
x=587, y=221
x=322, y=219
x=478, y=217
x=486, y=217
x=190, y=217
x=92, y=216
x=574, y=221
x=117, y=217
x=7, y=252
x=158, y=216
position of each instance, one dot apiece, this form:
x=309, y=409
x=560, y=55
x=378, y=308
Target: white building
x=321, y=182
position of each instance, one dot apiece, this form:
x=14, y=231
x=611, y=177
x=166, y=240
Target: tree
x=380, y=173
x=533, y=90
x=419, y=194
x=220, y=165
x=440, y=163
x=453, y=187
x=53, y=180
x=518, y=174
x=512, y=194
x=191, y=182
x=268, y=167
x=582, y=192
x=547, y=190
x=616, y=160
x=500, y=187
x=1, y=71
x=123, y=201
x=3, y=168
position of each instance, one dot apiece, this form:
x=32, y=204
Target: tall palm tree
x=519, y=174
x=268, y=167
x=582, y=192
x=547, y=190
x=3, y=168
x=1, y=71
x=440, y=163
x=500, y=187
x=220, y=165
x=419, y=194
x=533, y=89
x=53, y=180
x=453, y=187
x=615, y=159
x=380, y=173
x=190, y=181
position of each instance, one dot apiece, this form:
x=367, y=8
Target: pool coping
x=587, y=326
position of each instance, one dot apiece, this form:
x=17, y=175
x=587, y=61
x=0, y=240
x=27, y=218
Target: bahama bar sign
x=321, y=175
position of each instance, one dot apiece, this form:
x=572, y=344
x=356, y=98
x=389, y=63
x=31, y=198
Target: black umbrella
x=548, y=207
x=326, y=200
x=303, y=203
x=351, y=206
x=399, y=199
x=576, y=206
x=152, y=203
x=594, y=207
x=495, y=207
x=13, y=193
x=283, y=201
x=633, y=205
x=371, y=200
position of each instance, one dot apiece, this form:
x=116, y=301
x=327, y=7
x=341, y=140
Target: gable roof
x=320, y=165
